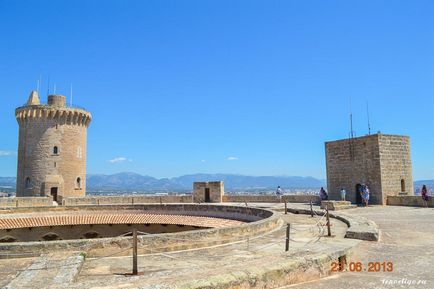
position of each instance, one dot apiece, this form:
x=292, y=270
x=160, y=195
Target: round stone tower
x=52, y=148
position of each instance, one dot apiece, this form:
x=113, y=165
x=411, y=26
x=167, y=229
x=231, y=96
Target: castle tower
x=382, y=162
x=51, y=149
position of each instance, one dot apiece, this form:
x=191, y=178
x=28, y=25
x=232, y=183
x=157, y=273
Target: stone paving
x=47, y=271
x=210, y=267
x=406, y=239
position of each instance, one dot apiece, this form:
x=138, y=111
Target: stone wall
x=270, y=198
x=130, y=200
x=215, y=191
x=396, y=166
x=151, y=199
x=259, y=222
x=25, y=202
x=410, y=201
x=51, y=150
x=379, y=161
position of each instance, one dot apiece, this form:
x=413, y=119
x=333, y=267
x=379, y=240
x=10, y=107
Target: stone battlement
x=62, y=115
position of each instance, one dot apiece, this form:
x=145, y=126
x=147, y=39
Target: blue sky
x=246, y=87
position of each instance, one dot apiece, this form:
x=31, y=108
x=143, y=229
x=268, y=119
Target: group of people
x=364, y=192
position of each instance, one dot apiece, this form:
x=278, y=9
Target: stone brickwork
x=208, y=192
x=409, y=201
x=128, y=200
x=271, y=199
x=336, y=205
x=52, y=148
x=26, y=202
x=382, y=162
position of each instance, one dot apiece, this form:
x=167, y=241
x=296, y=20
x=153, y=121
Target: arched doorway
x=358, y=194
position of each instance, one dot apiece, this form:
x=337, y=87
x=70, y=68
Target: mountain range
x=135, y=182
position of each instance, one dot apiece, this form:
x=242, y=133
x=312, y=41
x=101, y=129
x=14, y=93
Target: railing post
x=135, y=272
x=288, y=229
x=329, y=233
x=311, y=209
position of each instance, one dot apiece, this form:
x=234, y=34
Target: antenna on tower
x=37, y=87
x=71, y=96
x=351, y=140
x=48, y=89
x=54, y=90
x=39, y=82
x=351, y=119
x=369, y=120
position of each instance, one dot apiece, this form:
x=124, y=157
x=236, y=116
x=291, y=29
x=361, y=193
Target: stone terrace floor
x=407, y=240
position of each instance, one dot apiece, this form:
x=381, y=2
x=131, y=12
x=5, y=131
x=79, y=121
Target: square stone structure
x=208, y=192
x=382, y=162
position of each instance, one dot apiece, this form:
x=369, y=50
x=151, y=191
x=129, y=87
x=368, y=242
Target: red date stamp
x=362, y=267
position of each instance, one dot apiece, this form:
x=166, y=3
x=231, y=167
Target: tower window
x=56, y=150
x=402, y=185
x=78, y=183
x=28, y=183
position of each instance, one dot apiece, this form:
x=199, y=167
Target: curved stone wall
x=243, y=222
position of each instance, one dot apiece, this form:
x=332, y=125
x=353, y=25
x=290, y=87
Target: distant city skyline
x=235, y=87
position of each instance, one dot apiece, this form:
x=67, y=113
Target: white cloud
x=203, y=161
x=232, y=158
x=118, y=160
x=7, y=153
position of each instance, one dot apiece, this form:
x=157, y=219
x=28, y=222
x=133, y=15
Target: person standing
x=424, y=194
x=343, y=194
x=323, y=194
x=366, y=196
x=279, y=192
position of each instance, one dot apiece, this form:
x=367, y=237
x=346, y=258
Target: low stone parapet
x=358, y=227
x=126, y=200
x=24, y=202
x=270, y=199
x=337, y=205
x=410, y=201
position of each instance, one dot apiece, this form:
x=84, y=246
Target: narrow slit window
x=78, y=183
x=28, y=183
